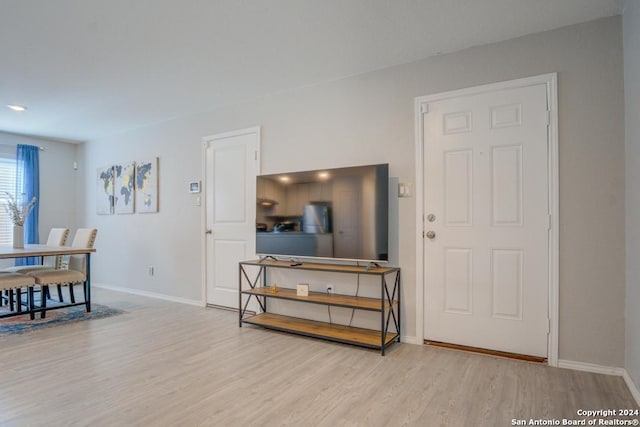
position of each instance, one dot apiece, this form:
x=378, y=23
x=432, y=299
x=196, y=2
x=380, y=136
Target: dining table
x=37, y=250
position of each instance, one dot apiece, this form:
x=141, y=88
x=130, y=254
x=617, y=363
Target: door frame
x=551, y=82
x=203, y=194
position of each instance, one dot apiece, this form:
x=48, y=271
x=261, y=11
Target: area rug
x=62, y=316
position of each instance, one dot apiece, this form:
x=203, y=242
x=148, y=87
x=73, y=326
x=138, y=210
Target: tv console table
x=387, y=305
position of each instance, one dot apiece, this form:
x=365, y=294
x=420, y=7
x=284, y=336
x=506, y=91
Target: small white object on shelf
x=303, y=290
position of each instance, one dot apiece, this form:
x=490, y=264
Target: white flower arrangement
x=18, y=213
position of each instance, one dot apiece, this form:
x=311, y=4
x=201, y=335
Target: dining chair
x=12, y=284
x=57, y=237
x=75, y=274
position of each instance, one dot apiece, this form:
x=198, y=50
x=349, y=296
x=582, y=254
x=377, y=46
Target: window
x=7, y=184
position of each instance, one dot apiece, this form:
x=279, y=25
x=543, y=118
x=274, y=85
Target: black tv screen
x=338, y=213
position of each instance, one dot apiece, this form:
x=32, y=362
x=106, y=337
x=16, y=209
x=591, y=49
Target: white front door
x=232, y=163
x=486, y=248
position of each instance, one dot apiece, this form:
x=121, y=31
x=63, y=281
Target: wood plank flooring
x=168, y=364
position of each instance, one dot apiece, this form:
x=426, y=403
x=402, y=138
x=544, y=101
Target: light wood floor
x=168, y=364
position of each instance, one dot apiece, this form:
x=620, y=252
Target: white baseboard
x=590, y=367
x=607, y=370
x=150, y=294
x=632, y=387
x=411, y=340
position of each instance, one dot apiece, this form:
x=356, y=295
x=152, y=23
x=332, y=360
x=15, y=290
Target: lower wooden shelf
x=311, y=328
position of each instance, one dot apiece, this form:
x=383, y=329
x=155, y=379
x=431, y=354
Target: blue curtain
x=27, y=187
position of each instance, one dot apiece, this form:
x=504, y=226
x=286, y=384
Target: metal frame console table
x=388, y=305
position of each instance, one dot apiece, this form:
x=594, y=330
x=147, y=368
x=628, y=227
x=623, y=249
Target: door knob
x=431, y=234
x=209, y=231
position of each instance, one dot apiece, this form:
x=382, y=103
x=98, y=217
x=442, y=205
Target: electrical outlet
x=329, y=289
x=151, y=270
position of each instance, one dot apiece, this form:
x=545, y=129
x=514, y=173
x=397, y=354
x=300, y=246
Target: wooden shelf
x=333, y=332
x=388, y=309
x=336, y=268
x=361, y=303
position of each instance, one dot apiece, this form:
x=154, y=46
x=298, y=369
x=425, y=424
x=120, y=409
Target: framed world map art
x=146, y=186
x=127, y=187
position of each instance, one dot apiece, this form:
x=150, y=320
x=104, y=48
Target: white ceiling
x=90, y=68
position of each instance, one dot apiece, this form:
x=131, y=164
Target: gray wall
x=58, y=180
x=370, y=119
x=631, y=25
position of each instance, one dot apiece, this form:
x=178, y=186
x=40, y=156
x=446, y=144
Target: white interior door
x=232, y=163
x=486, y=181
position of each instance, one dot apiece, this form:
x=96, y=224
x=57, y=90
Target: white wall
x=369, y=119
x=58, y=180
x=631, y=26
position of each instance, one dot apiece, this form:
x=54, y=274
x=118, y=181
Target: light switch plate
x=404, y=189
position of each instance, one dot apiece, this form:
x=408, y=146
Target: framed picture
x=194, y=187
x=123, y=198
x=146, y=185
x=302, y=290
x=104, y=190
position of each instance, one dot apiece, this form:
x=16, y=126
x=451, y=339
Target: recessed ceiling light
x=16, y=107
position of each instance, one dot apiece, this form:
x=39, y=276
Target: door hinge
x=548, y=222
x=424, y=108
x=255, y=155
x=548, y=117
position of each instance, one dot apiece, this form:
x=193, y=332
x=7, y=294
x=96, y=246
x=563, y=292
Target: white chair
x=57, y=237
x=75, y=274
x=12, y=284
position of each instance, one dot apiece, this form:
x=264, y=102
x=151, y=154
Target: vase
x=18, y=236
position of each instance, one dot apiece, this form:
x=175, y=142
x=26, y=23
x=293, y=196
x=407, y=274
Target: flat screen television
x=340, y=213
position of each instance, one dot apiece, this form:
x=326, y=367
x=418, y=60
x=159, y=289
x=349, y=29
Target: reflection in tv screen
x=328, y=213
